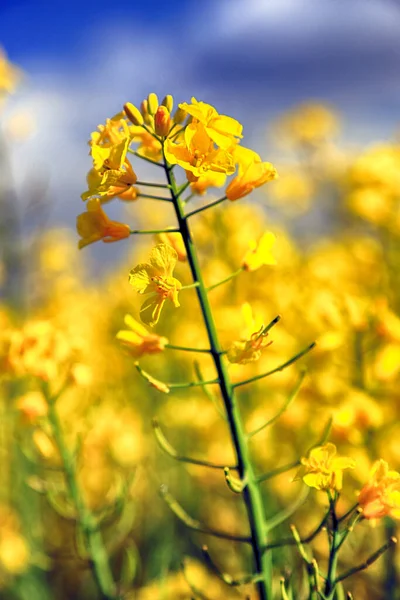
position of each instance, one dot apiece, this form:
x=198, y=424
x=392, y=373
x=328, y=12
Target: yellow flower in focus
x=252, y=173
x=259, y=253
x=250, y=349
x=9, y=75
x=155, y=278
x=224, y=131
x=380, y=497
x=138, y=341
x=115, y=174
x=197, y=153
x=323, y=470
x=94, y=225
x=209, y=179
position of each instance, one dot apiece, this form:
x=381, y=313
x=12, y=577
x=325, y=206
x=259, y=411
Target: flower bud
x=144, y=109
x=133, y=114
x=179, y=116
x=168, y=102
x=152, y=100
x=162, y=121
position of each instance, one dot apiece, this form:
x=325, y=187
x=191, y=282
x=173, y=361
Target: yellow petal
x=163, y=259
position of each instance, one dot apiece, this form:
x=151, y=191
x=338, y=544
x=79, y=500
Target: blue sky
x=252, y=59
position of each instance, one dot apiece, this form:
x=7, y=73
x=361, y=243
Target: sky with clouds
x=252, y=59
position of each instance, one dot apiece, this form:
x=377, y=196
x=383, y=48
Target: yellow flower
x=174, y=239
x=223, y=130
x=209, y=179
x=149, y=146
x=250, y=349
x=197, y=153
x=155, y=278
x=94, y=225
x=112, y=175
x=381, y=495
x=323, y=470
x=259, y=253
x=32, y=406
x=9, y=75
x=251, y=174
x=138, y=341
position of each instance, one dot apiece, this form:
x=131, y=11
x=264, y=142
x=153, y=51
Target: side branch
x=280, y=368
x=170, y=450
x=194, y=524
x=198, y=210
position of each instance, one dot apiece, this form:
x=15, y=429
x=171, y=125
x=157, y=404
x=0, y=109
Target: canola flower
x=380, y=496
x=155, y=278
x=94, y=226
x=260, y=253
x=138, y=341
x=323, y=470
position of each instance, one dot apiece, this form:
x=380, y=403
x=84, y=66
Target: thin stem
x=183, y=188
x=333, y=549
x=231, y=276
x=140, y=195
x=280, y=368
x=186, y=348
x=190, y=384
x=152, y=162
x=154, y=185
x=198, y=210
x=369, y=560
x=93, y=538
x=191, y=286
x=151, y=231
x=251, y=492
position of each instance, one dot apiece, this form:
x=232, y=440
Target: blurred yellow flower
x=224, y=131
x=197, y=153
x=155, y=278
x=9, y=75
x=252, y=173
x=380, y=496
x=308, y=123
x=175, y=240
x=94, y=225
x=32, y=406
x=323, y=470
x=138, y=341
x=259, y=253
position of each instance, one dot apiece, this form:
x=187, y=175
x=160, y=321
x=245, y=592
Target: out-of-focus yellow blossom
x=387, y=362
x=252, y=173
x=138, y=341
x=155, y=278
x=387, y=322
x=308, y=123
x=108, y=186
x=32, y=406
x=197, y=153
x=249, y=350
x=380, y=496
x=224, y=131
x=175, y=240
x=259, y=253
x=293, y=189
x=323, y=470
x=14, y=551
x=114, y=168
x=358, y=414
x=94, y=225
x=9, y=75
x=209, y=179
x=38, y=349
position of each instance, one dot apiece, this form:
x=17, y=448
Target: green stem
x=154, y=185
x=198, y=210
x=333, y=549
x=186, y=348
x=97, y=551
x=150, y=231
x=251, y=493
x=151, y=197
x=231, y=276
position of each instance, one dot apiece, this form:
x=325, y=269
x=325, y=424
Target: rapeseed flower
x=259, y=253
x=380, y=496
x=155, y=278
x=252, y=173
x=94, y=225
x=138, y=341
x=323, y=470
x=249, y=349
